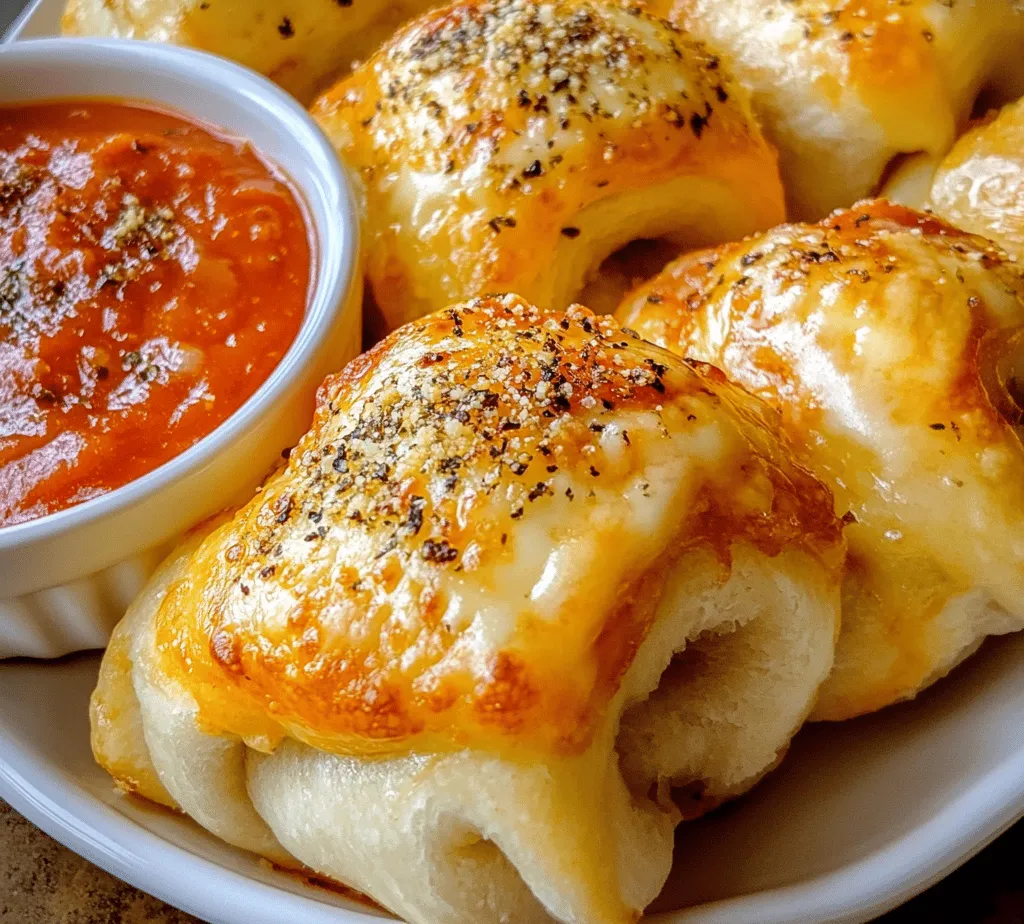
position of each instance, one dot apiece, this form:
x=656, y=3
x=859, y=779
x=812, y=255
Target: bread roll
x=300, y=44
x=979, y=186
x=893, y=346
x=513, y=145
x=524, y=579
x=844, y=90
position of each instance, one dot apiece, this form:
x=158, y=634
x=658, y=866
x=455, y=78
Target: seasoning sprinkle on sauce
x=152, y=275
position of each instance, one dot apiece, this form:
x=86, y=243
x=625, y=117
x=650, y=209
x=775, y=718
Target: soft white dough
x=725, y=709
x=204, y=773
x=466, y=837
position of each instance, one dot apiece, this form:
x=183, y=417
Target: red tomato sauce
x=152, y=275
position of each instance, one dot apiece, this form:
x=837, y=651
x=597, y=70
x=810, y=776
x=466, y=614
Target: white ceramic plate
x=860, y=817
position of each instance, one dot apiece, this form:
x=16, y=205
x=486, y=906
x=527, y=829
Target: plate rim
x=52, y=798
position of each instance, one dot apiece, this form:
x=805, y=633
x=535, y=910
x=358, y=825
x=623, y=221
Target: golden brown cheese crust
x=467, y=547
x=883, y=336
x=843, y=88
x=300, y=44
x=484, y=131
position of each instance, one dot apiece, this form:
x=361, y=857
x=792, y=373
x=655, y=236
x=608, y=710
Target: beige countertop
x=42, y=883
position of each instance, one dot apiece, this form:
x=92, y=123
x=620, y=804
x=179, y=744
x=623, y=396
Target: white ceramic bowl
x=66, y=578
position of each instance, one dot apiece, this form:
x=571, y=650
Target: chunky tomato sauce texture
x=152, y=275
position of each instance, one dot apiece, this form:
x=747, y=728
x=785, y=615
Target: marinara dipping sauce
x=152, y=275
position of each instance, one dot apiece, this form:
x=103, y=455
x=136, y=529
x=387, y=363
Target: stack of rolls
x=538, y=584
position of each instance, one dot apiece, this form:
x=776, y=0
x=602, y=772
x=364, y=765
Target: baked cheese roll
x=893, y=346
x=845, y=89
x=528, y=592
x=512, y=145
x=300, y=44
x=980, y=185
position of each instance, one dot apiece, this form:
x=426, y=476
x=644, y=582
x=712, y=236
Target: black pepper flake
x=608, y=405
x=268, y=572
x=504, y=538
x=538, y=490
x=552, y=469
x=523, y=98
x=285, y=28
x=414, y=521
x=594, y=471
x=849, y=518
x=283, y=508
x=501, y=221
x=245, y=589
x=571, y=232
x=517, y=468
x=654, y=299
x=937, y=426
x=596, y=427
x=569, y=494
x=533, y=171
x=517, y=513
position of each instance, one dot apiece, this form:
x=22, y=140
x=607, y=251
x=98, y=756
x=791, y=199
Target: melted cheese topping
x=483, y=132
x=980, y=186
x=888, y=340
x=300, y=44
x=842, y=88
x=468, y=546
